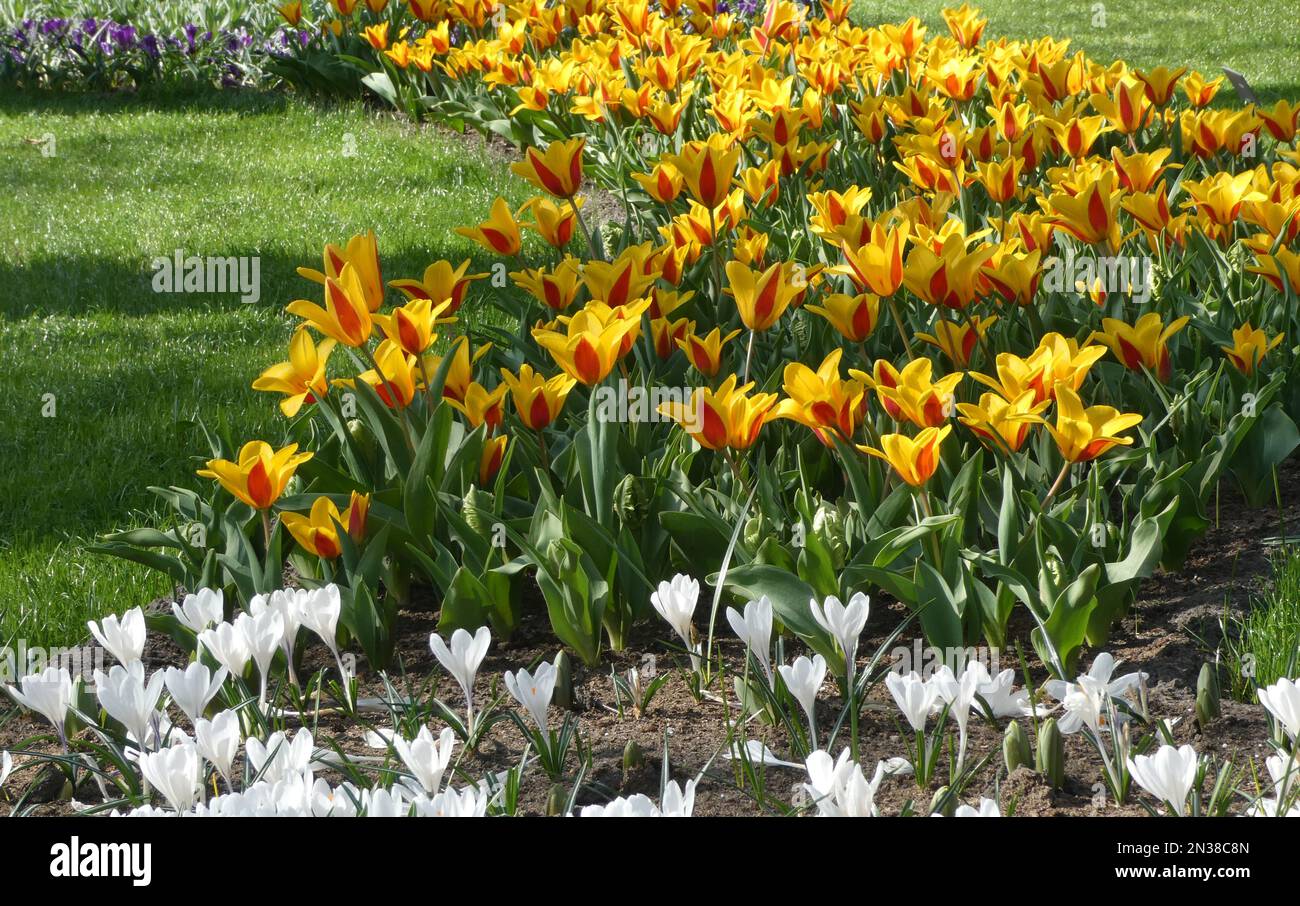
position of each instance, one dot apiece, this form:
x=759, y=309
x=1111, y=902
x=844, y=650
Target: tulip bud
x=477, y=505
x=632, y=501
x=1015, y=747
x=556, y=800
x=1050, y=758
x=363, y=438
x=941, y=803
x=633, y=758
x=563, y=695
x=828, y=526
x=1207, y=694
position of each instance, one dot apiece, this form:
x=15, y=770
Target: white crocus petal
x=129, y=699
x=988, y=808
x=913, y=695
x=264, y=634
x=1282, y=699
x=678, y=803
x=638, y=805
x=123, y=638
x=471, y=802
x=319, y=611
x=753, y=625
x=174, y=772
x=6, y=767
x=1168, y=775
x=385, y=803
x=843, y=623
x=198, y=611
x=463, y=658
x=228, y=646
x=533, y=691
x=425, y=758
x=194, y=687
x=218, y=741
x=804, y=678
x=48, y=693
x=755, y=752
x=675, y=601
x=277, y=758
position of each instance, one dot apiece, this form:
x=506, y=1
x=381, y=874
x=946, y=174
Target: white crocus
x=638, y=805
x=228, y=645
x=319, y=610
x=675, y=601
x=804, y=678
x=839, y=788
x=288, y=603
x=218, y=741
x=988, y=808
x=278, y=758
x=426, y=758
x=198, y=611
x=6, y=767
x=533, y=691
x=754, y=627
x=756, y=752
x=123, y=638
x=264, y=634
x=385, y=803
x=1091, y=691
x=1168, y=775
x=174, y=772
x=959, y=694
x=471, y=802
x=49, y=694
x=1002, y=697
x=678, y=802
x=914, y=696
x=845, y=624
x=1282, y=699
x=129, y=699
x=462, y=660
x=194, y=687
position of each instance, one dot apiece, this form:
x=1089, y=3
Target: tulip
x=804, y=678
x=1221, y=196
x=1005, y=424
x=555, y=289
x=260, y=475
x=228, y=646
x=1160, y=83
x=724, y=418
x=1084, y=434
x=196, y=612
x=557, y=170
x=875, y=264
x=440, y=283
x=412, y=326
x=302, y=378
x=663, y=183
x=194, y=687
x=499, y=233
x=1092, y=216
x=675, y=601
x=128, y=699
x=291, y=12
x=376, y=35
x=555, y=224
x=1199, y=91
x=1282, y=699
x=491, y=457
x=855, y=317
x=965, y=25
x=1249, y=346
x=914, y=696
x=844, y=624
x=914, y=459
x=592, y=343
x=621, y=282
x=707, y=168
x=537, y=399
x=394, y=380
x=1169, y=775
x=460, y=373
x=318, y=533
x=174, y=772
x=462, y=661
x=425, y=759
x=49, y=694
x=124, y=639
x=533, y=691
x=820, y=400
x=361, y=257
x=761, y=297
x=667, y=335
x=1282, y=121
x=218, y=741
x=754, y=627
x=957, y=340
x=705, y=353
x=346, y=316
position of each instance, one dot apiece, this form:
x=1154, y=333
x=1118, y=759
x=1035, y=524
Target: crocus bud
x=1207, y=694
x=556, y=800
x=563, y=695
x=1015, y=747
x=1050, y=758
x=942, y=803
x=633, y=757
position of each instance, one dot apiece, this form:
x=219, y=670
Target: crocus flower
x=1282, y=699
x=471, y=802
x=174, y=772
x=1168, y=775
x=6, y=767
x=988, y=808
x=199, y=610
x=754, y=627
x=844, y=624
x=959, y=694
x=533, y=691
x=228, y=645
x=192, y=688
x=675, y=602
x=425, y=758
x=804, y=678
x=48, y=693
x=124, y=638
x=218, y=741
x=839, y=788
x=914, y=696
x=264, y=634
x=462, y=661
x=128, y=699
x=279, y=757
x=638, y=805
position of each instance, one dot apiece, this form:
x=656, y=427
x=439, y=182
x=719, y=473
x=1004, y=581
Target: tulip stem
x=591, y=240
x=898, y=322
x=266, y=529
x=1056, y=485
x=749, y=356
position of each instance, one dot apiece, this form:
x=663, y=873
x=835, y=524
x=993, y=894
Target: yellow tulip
x=412, y=326
x=957, y=339
x=557, y=170
x=855, y=317
x=705, y=353
x=537, y=400
x=345, y=317
x=592, y=342
x=1144, y=344
x=820, y=400
x=440, y=282
x=318, y=532
x=950, y=278
x=910, y=395
x=260, y=474
x=362, y=252
x=302, y=378
x=481, y=406
x=708, y=168
x=916, y=459
x=395, y=380
x=724, y=418
x=761, y=297
x=1249, y=346
x=1003, y=424
x=1084, y=434
x=499, y=233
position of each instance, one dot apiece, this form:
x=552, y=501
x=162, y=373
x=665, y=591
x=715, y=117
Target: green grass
x=1258, y=39
x=1263, y=646
x=130, y=370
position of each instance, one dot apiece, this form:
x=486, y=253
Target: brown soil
x=1165, y=636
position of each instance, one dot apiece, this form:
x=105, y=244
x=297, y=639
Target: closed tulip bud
x=475, y=502
x=1207, y=694
x=1015, y=747
x=1050, y=758
x=632, y=501
x=563, y=696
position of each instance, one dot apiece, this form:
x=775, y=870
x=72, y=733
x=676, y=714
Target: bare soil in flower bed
x=1164, y=636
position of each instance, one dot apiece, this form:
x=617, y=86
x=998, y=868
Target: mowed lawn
x=1258, y=38
x=129, y=370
